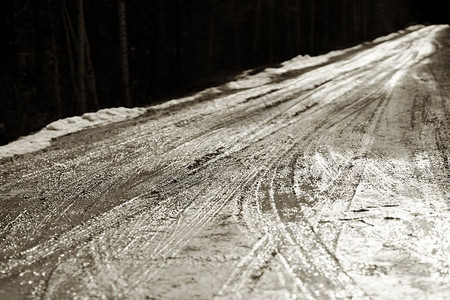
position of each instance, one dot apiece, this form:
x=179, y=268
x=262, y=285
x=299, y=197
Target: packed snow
x=246, y=80
x=326, y=182
x=42, y=138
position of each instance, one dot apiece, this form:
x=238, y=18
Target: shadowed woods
x=63, y=58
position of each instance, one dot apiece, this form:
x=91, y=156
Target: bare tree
x=81, y=58
x=236, y=28
x=271, y=30
x=69, y=35
x=289, y=40
x=211, y=44
x=257, y=29
x=298, y=26
x=90, y=71
x=124, y=52
x=55, y=61
x=363, y=19
x=312, y=34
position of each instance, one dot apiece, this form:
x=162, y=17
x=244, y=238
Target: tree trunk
x=256, y=34
x=69, y=33
x=178, y=41
x=356, y=25
x=237, y=37
x=363, y=19
x=298, y=26
x=90, y=71
x=271, y=31
x=211, y=45
x=124, y=52
x=345, y=28
x=55, y=61
x=82, y=102
x=289, y=40
x=162, y=48
x=312, y=34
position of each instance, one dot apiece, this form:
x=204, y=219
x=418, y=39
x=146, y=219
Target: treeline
x=66, y=57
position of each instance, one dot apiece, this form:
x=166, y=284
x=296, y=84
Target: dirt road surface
x=327, y=181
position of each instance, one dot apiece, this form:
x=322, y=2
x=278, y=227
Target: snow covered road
x=325, y=178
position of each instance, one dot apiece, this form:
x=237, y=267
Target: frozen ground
x=42, y=139
x=325, y=178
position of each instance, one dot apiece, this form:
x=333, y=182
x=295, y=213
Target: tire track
x=302, y=146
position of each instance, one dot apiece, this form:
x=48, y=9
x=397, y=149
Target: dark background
x=64, y=57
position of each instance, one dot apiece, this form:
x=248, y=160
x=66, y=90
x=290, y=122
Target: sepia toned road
x=327, y=181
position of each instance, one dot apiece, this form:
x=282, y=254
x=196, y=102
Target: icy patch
x=207, y=92
x=250, y=81
x=42, y=138
x=396, y=34
x=246, y=80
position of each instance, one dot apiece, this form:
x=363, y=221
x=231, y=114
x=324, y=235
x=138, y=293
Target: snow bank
x=246, y=80
x=398, y=33
x=42, y=138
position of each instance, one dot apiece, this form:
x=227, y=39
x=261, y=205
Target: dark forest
x=61, y=58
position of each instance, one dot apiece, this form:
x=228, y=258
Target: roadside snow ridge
x=42, y=138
